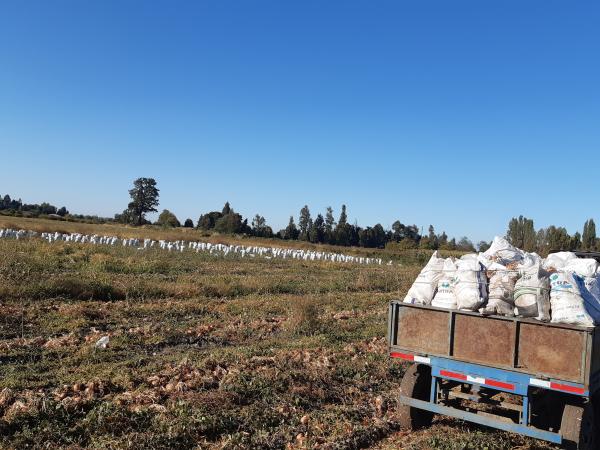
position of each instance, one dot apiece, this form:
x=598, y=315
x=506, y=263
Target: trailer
x=519, y=375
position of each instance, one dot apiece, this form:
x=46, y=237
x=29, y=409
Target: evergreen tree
x=317, y=231
x=231, y=223
x=258, y=223
x=452, y=244
x=144, y=199
x=372, y=237
x=167, y=219
x=521, y=233
x=465, y=245
x=398, y=231
x=575, y=242
x=329, y=220
x=343, y=217
x=432, y=239
x=260, y=227
x=291, y=232
x=209, y=220
x=344, y=234
x=329, y=226
x=353, y=234
x=541, y=242
x=588, y=240
x=443, y=240
x=412, y=232
x=226, y=209
x=483, y=246
x=304, y=223
x=188, y=223
x=558, y=239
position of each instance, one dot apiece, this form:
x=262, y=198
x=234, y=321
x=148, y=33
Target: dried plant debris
x=202, y=352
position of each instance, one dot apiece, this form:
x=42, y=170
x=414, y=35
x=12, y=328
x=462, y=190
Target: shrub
x=167, y=219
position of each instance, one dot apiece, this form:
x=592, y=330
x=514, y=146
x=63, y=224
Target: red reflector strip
x=567, y=388
x=403, y=356
x=478, y=380
x=458, y=376
x=500, y=384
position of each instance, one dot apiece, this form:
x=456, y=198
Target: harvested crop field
x=203, y=352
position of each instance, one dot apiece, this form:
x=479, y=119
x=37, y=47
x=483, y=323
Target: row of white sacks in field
x=242, y=251
x=505, y=280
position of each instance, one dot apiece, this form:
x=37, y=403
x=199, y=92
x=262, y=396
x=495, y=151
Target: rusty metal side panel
x=423, y=330
x=484, y=340
x=553, y=352
x=595, y=363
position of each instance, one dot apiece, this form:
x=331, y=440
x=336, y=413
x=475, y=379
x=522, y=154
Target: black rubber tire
x=416, y=383
x=546, y=409
x=578, y=427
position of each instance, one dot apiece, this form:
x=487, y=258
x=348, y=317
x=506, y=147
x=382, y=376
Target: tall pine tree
x=343, y=230
x=521, y=233
x=588, y=239
x=304, y=223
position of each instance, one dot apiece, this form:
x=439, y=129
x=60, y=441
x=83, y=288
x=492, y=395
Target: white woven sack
x=566, y=300
x=423, y=288
x=444, y=297
x=470, y=287
x=532, y=295
x=501, y=291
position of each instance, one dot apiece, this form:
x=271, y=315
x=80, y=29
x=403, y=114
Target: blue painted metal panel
x=482, y=420
x=585, y=393
x=520, y=380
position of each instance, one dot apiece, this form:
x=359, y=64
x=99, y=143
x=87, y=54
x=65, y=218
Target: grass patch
x=204, y=352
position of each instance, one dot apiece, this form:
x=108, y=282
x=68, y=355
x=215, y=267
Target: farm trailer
x=520, y=375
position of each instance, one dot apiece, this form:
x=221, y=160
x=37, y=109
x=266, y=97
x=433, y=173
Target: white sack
x=584, y=267
x=502, y=287
x=532, y=295
x=502, y=252
x=530, y=260
x=470, y=287
x=444, y=297
x=590, y=291
x=557, y=261
x=567, y=301
x=423, y=289
x=484, y=260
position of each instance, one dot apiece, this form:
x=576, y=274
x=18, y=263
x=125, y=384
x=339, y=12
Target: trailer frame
x=448, y=366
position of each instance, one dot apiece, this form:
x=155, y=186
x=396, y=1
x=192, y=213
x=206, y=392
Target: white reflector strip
x=422, y=359
x=540, y=383
x=477, y=380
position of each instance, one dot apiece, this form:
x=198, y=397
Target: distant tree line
x=323, y=229
x=16, y=208
x=13, y=207
x=522, y=234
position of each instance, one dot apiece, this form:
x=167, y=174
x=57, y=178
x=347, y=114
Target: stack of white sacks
x=505, y=280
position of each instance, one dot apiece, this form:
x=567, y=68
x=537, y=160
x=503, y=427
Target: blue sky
x=460, y=114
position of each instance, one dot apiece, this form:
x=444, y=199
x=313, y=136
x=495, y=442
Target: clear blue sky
x=461, y=114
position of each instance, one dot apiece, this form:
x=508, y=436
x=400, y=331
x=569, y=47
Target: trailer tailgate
x=545, y=350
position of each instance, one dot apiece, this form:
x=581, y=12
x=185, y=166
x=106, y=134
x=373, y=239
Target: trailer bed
x=544, y=350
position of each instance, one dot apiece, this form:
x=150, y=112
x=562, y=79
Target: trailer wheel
x=577, y=427
x=416, y=383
